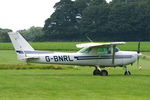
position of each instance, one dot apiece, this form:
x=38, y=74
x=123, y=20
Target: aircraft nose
x=139, y=54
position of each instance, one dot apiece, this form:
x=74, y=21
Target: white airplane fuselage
x=121, y=58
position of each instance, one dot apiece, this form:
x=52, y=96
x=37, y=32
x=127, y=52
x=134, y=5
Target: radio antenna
x=89, y=39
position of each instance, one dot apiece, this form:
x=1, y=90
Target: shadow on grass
x=133, y=75
x=78, y=75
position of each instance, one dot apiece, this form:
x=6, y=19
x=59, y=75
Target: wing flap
x=31, y=57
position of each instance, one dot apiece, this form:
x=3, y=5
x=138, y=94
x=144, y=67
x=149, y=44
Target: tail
x=20, y=44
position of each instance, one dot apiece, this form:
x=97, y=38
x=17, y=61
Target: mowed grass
x=71, y=46
x=61, y=46
x=71, y=83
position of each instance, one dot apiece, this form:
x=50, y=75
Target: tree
x=98, y=2
x=101, y=21
x=94, y=21
x=128, y=22
x=33, y=34
x=62, y=24
x=4, y=35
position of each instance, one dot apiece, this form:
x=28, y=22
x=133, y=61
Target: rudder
x=20, y=44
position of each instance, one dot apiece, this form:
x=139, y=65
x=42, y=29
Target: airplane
x=99, y=55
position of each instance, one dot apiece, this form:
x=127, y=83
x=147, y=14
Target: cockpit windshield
x=117, y=49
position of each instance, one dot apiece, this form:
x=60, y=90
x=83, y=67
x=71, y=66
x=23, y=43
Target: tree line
x=101, y=21
x=33, y=34
x=75, y=20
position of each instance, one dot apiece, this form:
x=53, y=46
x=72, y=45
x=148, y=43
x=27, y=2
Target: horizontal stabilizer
x=30, y=59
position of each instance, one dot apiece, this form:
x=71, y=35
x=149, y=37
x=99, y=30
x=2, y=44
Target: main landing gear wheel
x=100, y=72
x=104, y=73
x=96, y=72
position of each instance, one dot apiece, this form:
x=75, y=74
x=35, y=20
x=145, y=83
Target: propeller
x=138, y=51
x=138, y=56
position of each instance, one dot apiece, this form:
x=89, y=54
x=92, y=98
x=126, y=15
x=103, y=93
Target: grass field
x=71, y=46
x=73, y=84
x=70, y=82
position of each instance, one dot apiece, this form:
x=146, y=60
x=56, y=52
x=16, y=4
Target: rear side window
x=102, y=51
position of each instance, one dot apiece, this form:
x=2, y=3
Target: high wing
x=86, y=45
x=93, y=45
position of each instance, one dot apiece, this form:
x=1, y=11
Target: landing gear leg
x=126, y=71
x=98, y=71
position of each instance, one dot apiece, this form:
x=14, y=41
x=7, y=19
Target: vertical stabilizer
x=19, y=43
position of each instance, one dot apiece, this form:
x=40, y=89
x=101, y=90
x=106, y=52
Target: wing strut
x=113, y=55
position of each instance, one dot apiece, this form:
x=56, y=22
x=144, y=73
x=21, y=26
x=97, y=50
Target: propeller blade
x=138, y=56
x=138, y=60
x=139, y=44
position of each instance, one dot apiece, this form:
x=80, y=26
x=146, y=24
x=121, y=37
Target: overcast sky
x=22, y=14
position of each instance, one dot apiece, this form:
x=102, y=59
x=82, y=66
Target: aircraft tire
x=127, y=73
x=96, y=72
x=104, y=73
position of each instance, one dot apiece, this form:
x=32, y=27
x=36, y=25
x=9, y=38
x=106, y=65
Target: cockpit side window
x=102, y=50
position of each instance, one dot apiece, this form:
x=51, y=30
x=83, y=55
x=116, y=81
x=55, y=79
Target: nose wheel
x=100, y=72
x=126, y=71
